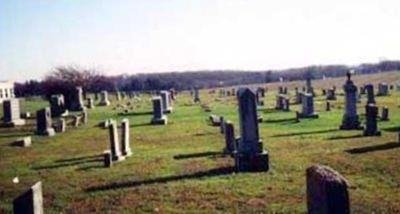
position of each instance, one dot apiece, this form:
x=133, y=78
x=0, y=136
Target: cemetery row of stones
x=326, y=189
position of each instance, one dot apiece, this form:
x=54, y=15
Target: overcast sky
x=127, y=36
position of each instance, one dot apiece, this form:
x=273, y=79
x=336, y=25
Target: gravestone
x=229, y=138
x=158, y=116
x=286, y=104
x=350, y=117
x=26, y=115
x=260, y=92
x=215, y=120
x=385, y=114
x=309, y=88
x=196, y=96
x=326, y=191
x=118, y=95
x=60, y=125
x=30, y=201
x=233, y=92
x=308, y=107
x=57, y=106
x=167, y=108
x=369, y=88
x=107, y=158
x=11, y=113
x=331, y=94
x=250, y=155
x=43, y=122
x=371, y=124
x=221, y=125
x=284, y=90
x=104, y=99
x=280, y=90
x=84, y=115
x=126, y=149
x=383, y=89
x=298, y=95
x=90, y=103
x=76, y=102
x=279, y=104
x=76, y=120
x=114, y=142
x=23, y=142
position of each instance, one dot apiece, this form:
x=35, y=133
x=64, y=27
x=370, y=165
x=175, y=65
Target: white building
x=6, y=90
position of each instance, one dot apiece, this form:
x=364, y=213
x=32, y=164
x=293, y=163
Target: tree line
x=63, y=79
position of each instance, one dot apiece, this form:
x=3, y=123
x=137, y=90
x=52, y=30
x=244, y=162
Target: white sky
x=127, y=36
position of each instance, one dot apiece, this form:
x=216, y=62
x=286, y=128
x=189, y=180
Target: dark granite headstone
x=371, y=124
x=30, y=202
x=11, y=113
x=350, y=117
x=44, y=122
x=229, y=138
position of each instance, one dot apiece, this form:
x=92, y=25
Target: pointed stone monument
x=350, y=117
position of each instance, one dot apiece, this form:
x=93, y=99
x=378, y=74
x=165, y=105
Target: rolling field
x=179, y=167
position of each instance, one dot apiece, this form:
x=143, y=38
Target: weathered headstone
x=90, y=103
x=326, y=191
x=369, y=88
x=229, y=138
x=350, y=117
x=286, y=104
x=331, y=94
x=11, y=113
x=23, y=142
x=77, y=99
x=215, y=120
x=383, y=89
x=158, y=116
x=30, y=201
x=167, y=108
x=279, y=104
x=43, y=122
x=371, y=124
x=104, y=99
x=114, y=142
x=196, y=96
x=57, y=106
x=385, y=114
x=76, y=120
x=60, y=125
x=308, y=107
x=126, y=149
x=250, y=155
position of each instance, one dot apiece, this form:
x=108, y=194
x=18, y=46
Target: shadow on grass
x=141, y=124
x=161, y=180
x=306, y=133
x=14, y=135
x=66, y=164
x=137, y=113
x=392, y=129
x=386, y=146
x=270, y=110
x=281, y=120
x=199, y=155
x=78, y=158
x=346, y=137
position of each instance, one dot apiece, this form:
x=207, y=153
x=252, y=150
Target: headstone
x=362, y=89
x=84, y=115
x=76, y=120
x=158, y=116
x=221, y=125
x=369, y=88
x=107, y=158
x=279, y=105
x=114, y=142
x=167, y=108
x=250, y=155
x=60, y=125
x=118, y=95
x=385, y=114
x=229, y=138
x=23, y=142
x=215, y=120
x=77, y=99
x=326, y=191
x=90, y=103
x=104, y=99
x=30, y=201
x=126, y=149
x=383, y=89
x=196, y=96
x=286, y=104
x=284, y=90
x=371, y=124
x=331, y=94
x=11, y=113
x=308, y=107
x=26, y=115
x=57, y=106
x=350, y=117
x=43, y=122
x=309, y=88
x=298, y=96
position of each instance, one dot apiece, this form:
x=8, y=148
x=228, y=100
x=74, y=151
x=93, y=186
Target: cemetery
x=200, y=151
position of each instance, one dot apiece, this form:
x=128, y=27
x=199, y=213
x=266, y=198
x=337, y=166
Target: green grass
x=152, y=180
